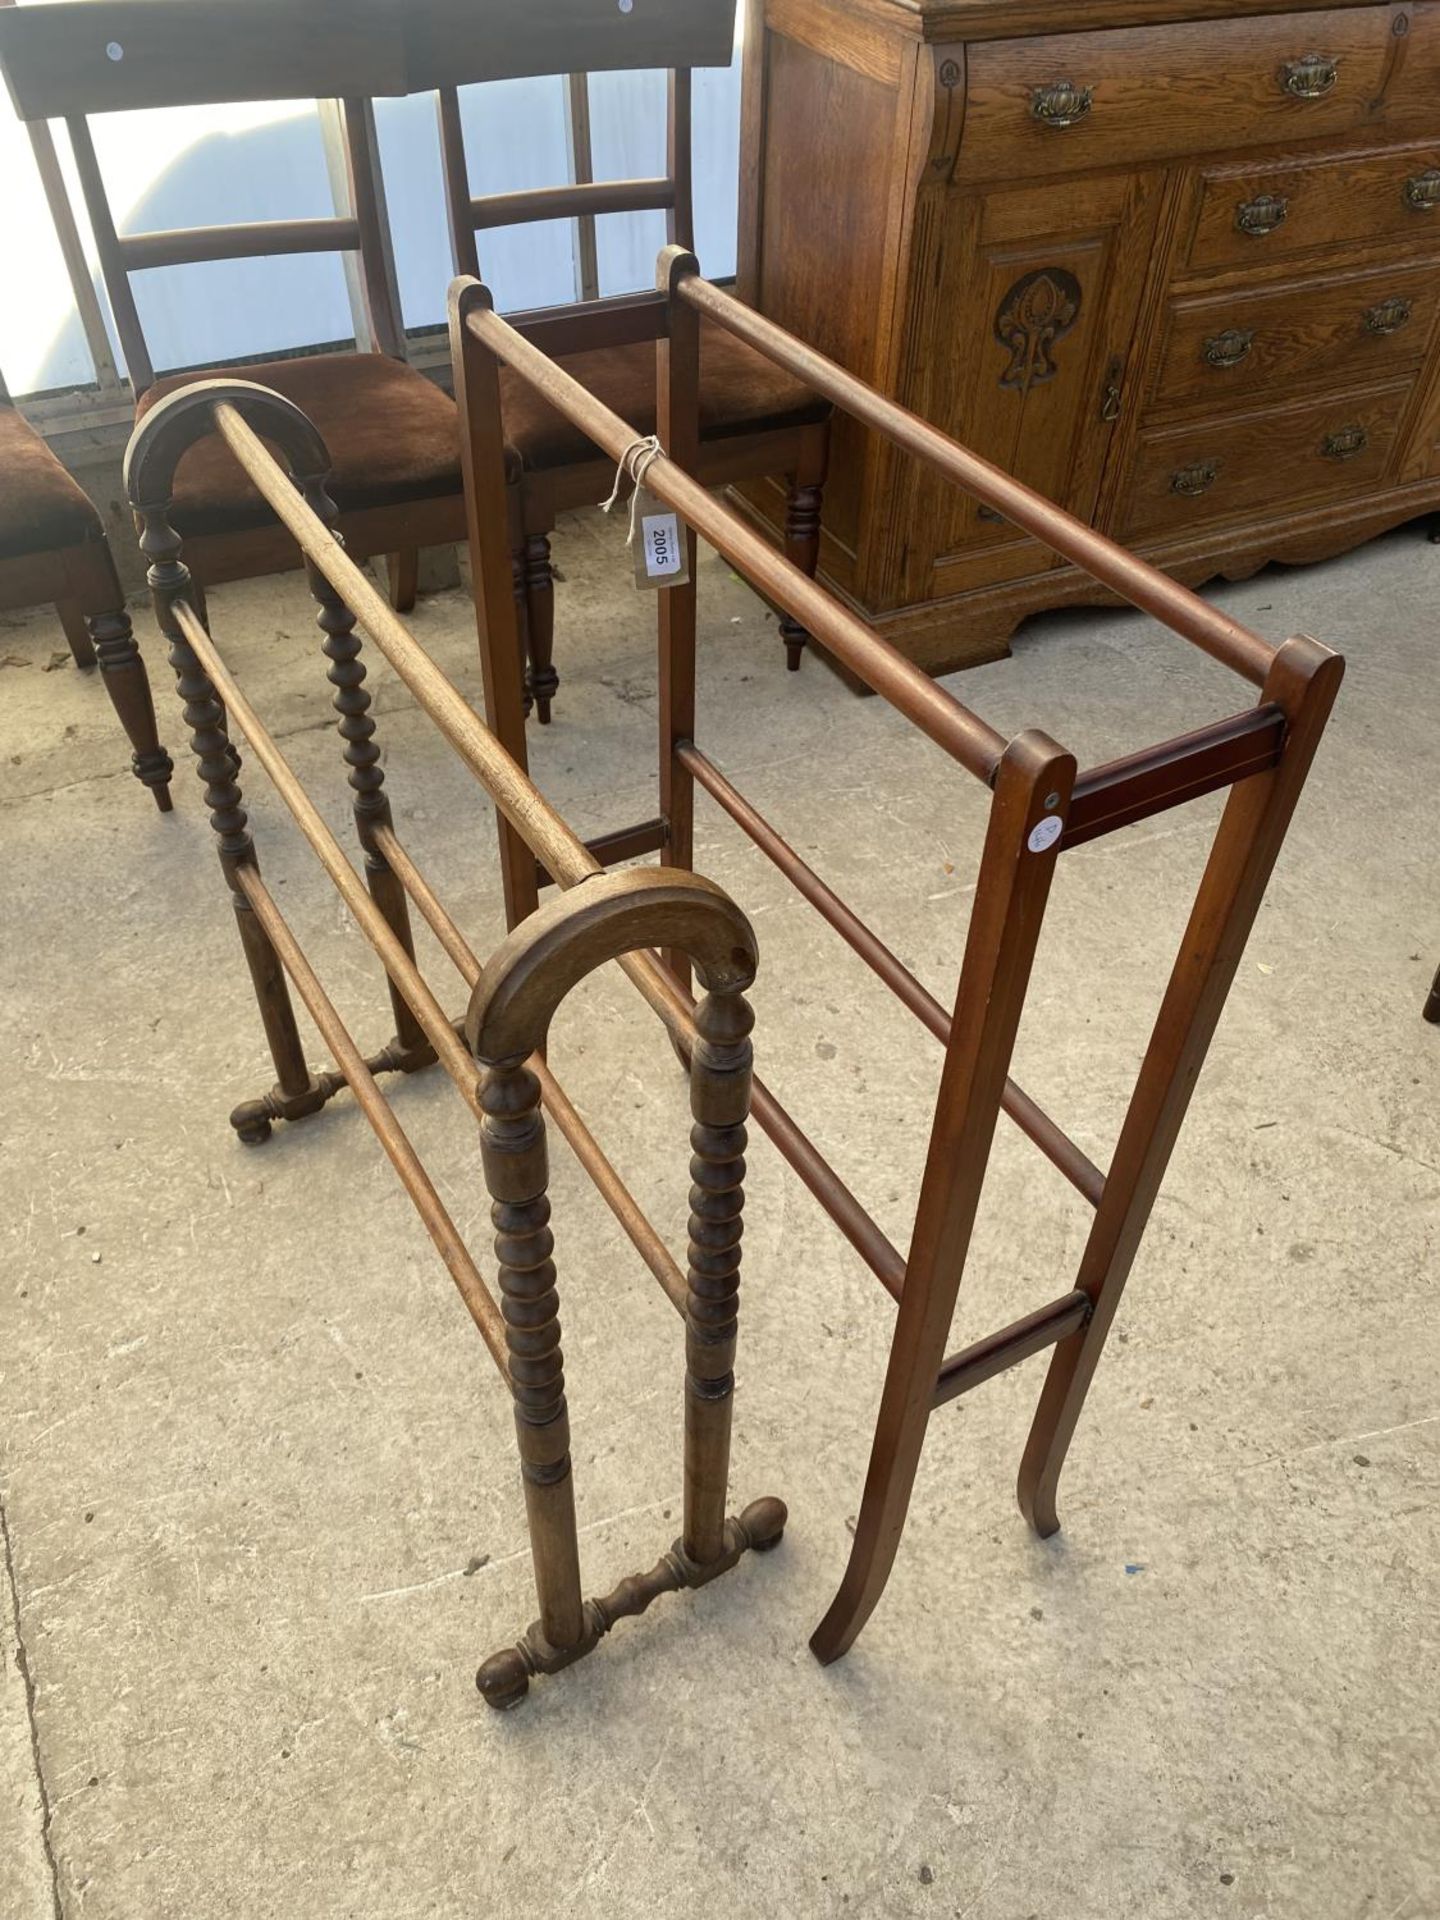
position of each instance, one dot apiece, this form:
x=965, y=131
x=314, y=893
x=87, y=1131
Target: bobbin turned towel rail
x=512, y=1000
x=1040, y=808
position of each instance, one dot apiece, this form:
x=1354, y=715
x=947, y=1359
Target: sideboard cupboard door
x=1035, y=304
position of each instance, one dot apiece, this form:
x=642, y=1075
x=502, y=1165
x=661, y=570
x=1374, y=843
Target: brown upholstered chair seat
x=740, y=393
x=392, y=434
x=41, y=506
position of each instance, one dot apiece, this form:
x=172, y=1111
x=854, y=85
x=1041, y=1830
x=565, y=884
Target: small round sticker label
x=114, y=50
x=1045, y=833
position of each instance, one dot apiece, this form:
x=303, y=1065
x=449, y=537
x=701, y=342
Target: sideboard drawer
x=1252, y=214
x=1187, y=476
x=1220, y=347
x=1064, y=101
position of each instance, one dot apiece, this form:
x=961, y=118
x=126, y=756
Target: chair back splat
x=1040, y=808
x=498, y=1066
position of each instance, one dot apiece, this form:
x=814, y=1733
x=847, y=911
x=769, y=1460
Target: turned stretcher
x=1041, y=806
x=498, y=1065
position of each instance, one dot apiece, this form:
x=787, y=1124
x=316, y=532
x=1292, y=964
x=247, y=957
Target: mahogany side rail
x=1041, y=806
x=495, y=1057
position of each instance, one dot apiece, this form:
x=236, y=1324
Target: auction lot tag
x=660, y=544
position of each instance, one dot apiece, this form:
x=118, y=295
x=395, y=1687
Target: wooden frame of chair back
x=449, y=49
x=1040, y=807
x=615, y=321
x=670, y=193
x=501, y=1073
x=364, y=232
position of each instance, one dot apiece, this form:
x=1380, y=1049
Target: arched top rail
x=170, y=428
x=604, y=917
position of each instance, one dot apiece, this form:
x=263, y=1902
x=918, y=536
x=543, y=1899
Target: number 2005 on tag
x=660, y=559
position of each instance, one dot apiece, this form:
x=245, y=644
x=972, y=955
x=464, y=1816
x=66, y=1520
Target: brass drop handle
x=1422, y=191
x=1264, y=213
x=1061, y=104
x=1310, y=77
x=1389, y=316
x=1228, y=349
x=1345, y=444
x=1193, y=481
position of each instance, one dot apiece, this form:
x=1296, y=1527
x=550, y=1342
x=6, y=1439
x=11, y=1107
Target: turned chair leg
x=72, y=619
x=522, y=622
x=112, y=642
x=541, y=679
x=403, y=569
x=802, y=532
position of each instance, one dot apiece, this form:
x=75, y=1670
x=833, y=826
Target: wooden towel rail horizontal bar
x=1040, y=807
x=1142, y=585
x=976, y=745
x=540, y=830
x=495, y=1059
x=1057, y=1147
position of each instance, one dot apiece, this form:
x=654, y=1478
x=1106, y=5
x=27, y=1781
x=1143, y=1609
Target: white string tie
x=636, y=462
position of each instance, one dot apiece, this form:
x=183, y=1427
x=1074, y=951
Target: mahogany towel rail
x=1040, y=807
x=497, y=1066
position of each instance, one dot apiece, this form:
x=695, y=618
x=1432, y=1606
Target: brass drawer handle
x=1193, y=481
x=1266, y=212
x=1310, y=77
x=1422, y=191
x=1389, y=316
x=1228, y=349
x=1345, y=444
x=1061, y=104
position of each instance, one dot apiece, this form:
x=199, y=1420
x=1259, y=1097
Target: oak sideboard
x=1174, y=263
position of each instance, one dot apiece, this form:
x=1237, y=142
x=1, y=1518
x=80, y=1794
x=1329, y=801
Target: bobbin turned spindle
x=608, y=916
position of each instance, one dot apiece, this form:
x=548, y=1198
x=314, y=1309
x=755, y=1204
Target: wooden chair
x=392, y=432
x=756, y=419
x=53, y=550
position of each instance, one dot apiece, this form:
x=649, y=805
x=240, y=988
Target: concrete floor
x=262, y=1515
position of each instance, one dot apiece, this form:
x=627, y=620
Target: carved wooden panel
x=1042, y=289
